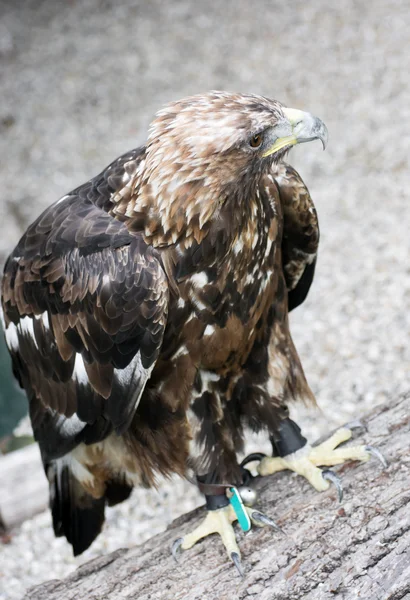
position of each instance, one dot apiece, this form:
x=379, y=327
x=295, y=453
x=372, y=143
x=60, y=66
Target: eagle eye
x=256, y=140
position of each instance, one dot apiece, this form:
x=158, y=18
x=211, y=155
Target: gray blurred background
x=81, y=80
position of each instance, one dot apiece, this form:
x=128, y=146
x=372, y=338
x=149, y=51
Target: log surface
x=357, y=549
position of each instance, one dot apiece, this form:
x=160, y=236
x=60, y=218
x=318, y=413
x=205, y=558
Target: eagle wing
x=85, y=306
x=300, y=234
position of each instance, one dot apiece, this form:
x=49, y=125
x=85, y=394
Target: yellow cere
x=281, y=143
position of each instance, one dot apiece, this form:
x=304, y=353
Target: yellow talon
x=306, y=461
x=216, y=521
x=220, y=521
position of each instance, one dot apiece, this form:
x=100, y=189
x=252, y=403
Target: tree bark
x=357, y=549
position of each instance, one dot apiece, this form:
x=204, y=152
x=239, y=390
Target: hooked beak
x=298, y=127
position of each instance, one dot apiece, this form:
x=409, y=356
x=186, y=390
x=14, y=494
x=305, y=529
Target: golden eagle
x=146, y=313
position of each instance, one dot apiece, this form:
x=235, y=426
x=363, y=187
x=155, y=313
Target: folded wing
x=300, y=234
x=85, y=308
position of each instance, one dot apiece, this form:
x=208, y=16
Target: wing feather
x=300, y=234
x=85, y=307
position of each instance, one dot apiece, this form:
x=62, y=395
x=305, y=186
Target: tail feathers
x=76, y=514
x=117, y=491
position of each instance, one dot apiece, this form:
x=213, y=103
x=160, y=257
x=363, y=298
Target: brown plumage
x=146, y=312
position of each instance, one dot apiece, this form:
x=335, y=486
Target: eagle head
x=206, y=148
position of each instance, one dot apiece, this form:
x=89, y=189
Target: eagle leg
x=306, y=460
x=220, y=520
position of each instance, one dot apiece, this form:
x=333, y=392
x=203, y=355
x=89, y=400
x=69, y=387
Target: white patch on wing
x=79, y=372
x=71, y=426
x=207, y=377
x=12, y=339
x=44, y=319
x=46, y=322
x=181, y=303
x=182, y=351
x=126, y=375
x=24, y=328
x=199, y=279
x=2, y=318
x=136, y=375
x=209, y=330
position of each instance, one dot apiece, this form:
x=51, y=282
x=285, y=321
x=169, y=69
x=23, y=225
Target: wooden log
x=357, y=549
x=23, y=486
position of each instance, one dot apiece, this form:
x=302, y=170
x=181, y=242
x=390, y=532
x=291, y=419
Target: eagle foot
x=221, y=521
x=307, y=460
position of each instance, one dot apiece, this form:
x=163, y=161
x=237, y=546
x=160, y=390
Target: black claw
x=256, y=456
x=247, y=476
x=265, y=520
x=237, y=562
x=176, y=548
x=377, y=454
x=337, y=482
